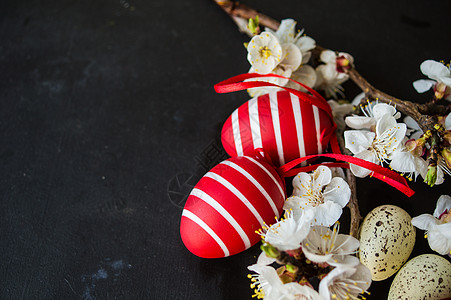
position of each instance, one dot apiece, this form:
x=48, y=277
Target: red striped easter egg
x=228, y=204
x=280, y=123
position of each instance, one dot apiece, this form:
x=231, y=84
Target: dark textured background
x=108, y=117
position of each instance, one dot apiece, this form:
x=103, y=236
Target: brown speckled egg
x=387, y=238
x=427, y=276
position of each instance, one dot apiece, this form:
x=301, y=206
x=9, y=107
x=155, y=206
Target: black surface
x=108, y=116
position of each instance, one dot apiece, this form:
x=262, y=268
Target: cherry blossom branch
x=240, y=13
x=423, y=114
x=353, y=203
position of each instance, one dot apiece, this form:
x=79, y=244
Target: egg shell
x=387, y=237
x=427, y=276
x=228, y=204
x=279, y=122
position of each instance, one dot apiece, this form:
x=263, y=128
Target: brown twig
x=236, y=9
x=423, y=114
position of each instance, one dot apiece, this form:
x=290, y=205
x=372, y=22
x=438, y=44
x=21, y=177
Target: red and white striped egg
x=279, y=122
x=228, y=204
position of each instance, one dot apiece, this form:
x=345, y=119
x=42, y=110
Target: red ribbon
x=238, y=83
x=388, y=176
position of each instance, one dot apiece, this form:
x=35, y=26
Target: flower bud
x=431, y=176
x=441, y=90
x=343, y=64
x=270, y=251
x=291, y=268
x=416, y=147
x=445, y=217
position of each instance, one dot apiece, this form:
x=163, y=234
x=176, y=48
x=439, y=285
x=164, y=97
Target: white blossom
x=345, y=282
x=448, y=122
x=329, y=76
x=283, y=52
x=287, y=35
x=319, y=191
x=288, y=233
x=264, y=52
x=440, y=79
x=329, y=80
x=373, y=112
x=306, y=75
x=325, y=245
x=413, y=129
x=406, y=162
x=437, y=226
x=268, y=286
x=376, y=147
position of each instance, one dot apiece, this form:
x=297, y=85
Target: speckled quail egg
x=427, y=276
x=387, y=238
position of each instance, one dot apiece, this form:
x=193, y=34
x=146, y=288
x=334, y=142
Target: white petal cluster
x=288, y=233
x=268, y=286
x=282, y=52
x=379, y=138
x=324, y=245
x=345, y=282
x=320, y=192
x=439, y=79
x=329, y=77
x=437, y=226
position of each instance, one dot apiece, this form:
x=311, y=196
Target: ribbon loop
x=238, y=83
x=388, y=176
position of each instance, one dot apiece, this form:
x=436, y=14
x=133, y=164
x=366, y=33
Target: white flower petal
x=328, y=57
x=268, y=279
x=411, y=123
x=346, y=243
x=434, y=70
x=445, y=230
x=358, y=141
x=286, y=31
x=446, y=81
x=305, y=44
x=381, y=109
x=438, y=242
x=322, y=177
x=306, y=75
x=337, y=191
x=423, y=85
x=448, y=122
x=288, y=233
x=306, y=57
x=328, y=72
x=293, y=290
x=264, y=259
x=292, y=57
x=302, y=183
x=443, y=203
x=386, y=122
x=406, y=162
x=365, y=155
x=360, y=122
x=327, y=213
x=358, y=99
x=347, y=260
x=424, y=221
x=440, y=176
